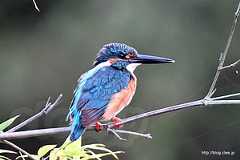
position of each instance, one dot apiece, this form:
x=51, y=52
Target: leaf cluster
x=68, y=151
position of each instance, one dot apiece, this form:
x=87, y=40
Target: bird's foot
x=116, y=121
x=98, y=127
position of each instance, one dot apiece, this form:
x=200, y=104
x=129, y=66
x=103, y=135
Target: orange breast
x=120, y=100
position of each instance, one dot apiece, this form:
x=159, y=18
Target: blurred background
x=43, y=54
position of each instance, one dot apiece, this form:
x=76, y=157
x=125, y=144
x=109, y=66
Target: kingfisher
x=102, y=92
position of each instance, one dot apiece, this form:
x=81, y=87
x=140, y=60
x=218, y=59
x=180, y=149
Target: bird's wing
x=94, y=91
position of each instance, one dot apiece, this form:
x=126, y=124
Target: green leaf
x=67, y=142
x=75, y=144
x=54, y=154
x=74, y=151
x=100, y=147
x=93, y=154
x=45, y=149
x=99, y=155
x=74, y=148
x=7, y=123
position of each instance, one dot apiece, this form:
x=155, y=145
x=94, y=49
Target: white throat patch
x=131, y=67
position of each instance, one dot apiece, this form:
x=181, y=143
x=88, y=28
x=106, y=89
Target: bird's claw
x=116, y=121
x=98, y=127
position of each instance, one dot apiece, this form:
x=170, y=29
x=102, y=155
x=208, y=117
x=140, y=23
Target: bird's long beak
x=148, y=59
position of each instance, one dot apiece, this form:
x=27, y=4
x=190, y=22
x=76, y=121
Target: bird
x=106, y=89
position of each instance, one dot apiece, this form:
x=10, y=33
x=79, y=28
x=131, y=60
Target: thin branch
x=224, y=54
x=226, y=96
x=229, y=66
x=51, y=106
x=35, y=5
x=22, y=156
x=160, y=111
x=47, y=108
x=51, y=131
x=113, y=131
x=132, y=133
x=222, y=102
x=33, y=133
x=237, y=11
x=20, y=149
x=202, y=102
x=213, y=92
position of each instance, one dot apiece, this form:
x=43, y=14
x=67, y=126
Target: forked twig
x=47, y=108
x=113, y=131
x=224, y=54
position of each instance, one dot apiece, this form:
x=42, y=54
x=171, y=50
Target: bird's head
x=122, y=56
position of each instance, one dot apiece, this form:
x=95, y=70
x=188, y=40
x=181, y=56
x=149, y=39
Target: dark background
x=43, y=54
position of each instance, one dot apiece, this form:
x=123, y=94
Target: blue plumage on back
x=92, y=94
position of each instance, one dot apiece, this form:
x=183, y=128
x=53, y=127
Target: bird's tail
x=77, y=129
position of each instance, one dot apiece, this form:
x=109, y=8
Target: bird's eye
x=130, y=55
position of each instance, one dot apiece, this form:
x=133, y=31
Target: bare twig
x=132, y=133
x=33, y=133
x=237, y=11
x=35, y=5
x=22, y=156
x=113, y=131
x=47, y=108
x=202, y=102
x=224, y=54
x=158, y=112
x=226, y=96
x=116, y=131
x=229, y=66
x=19, y=149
